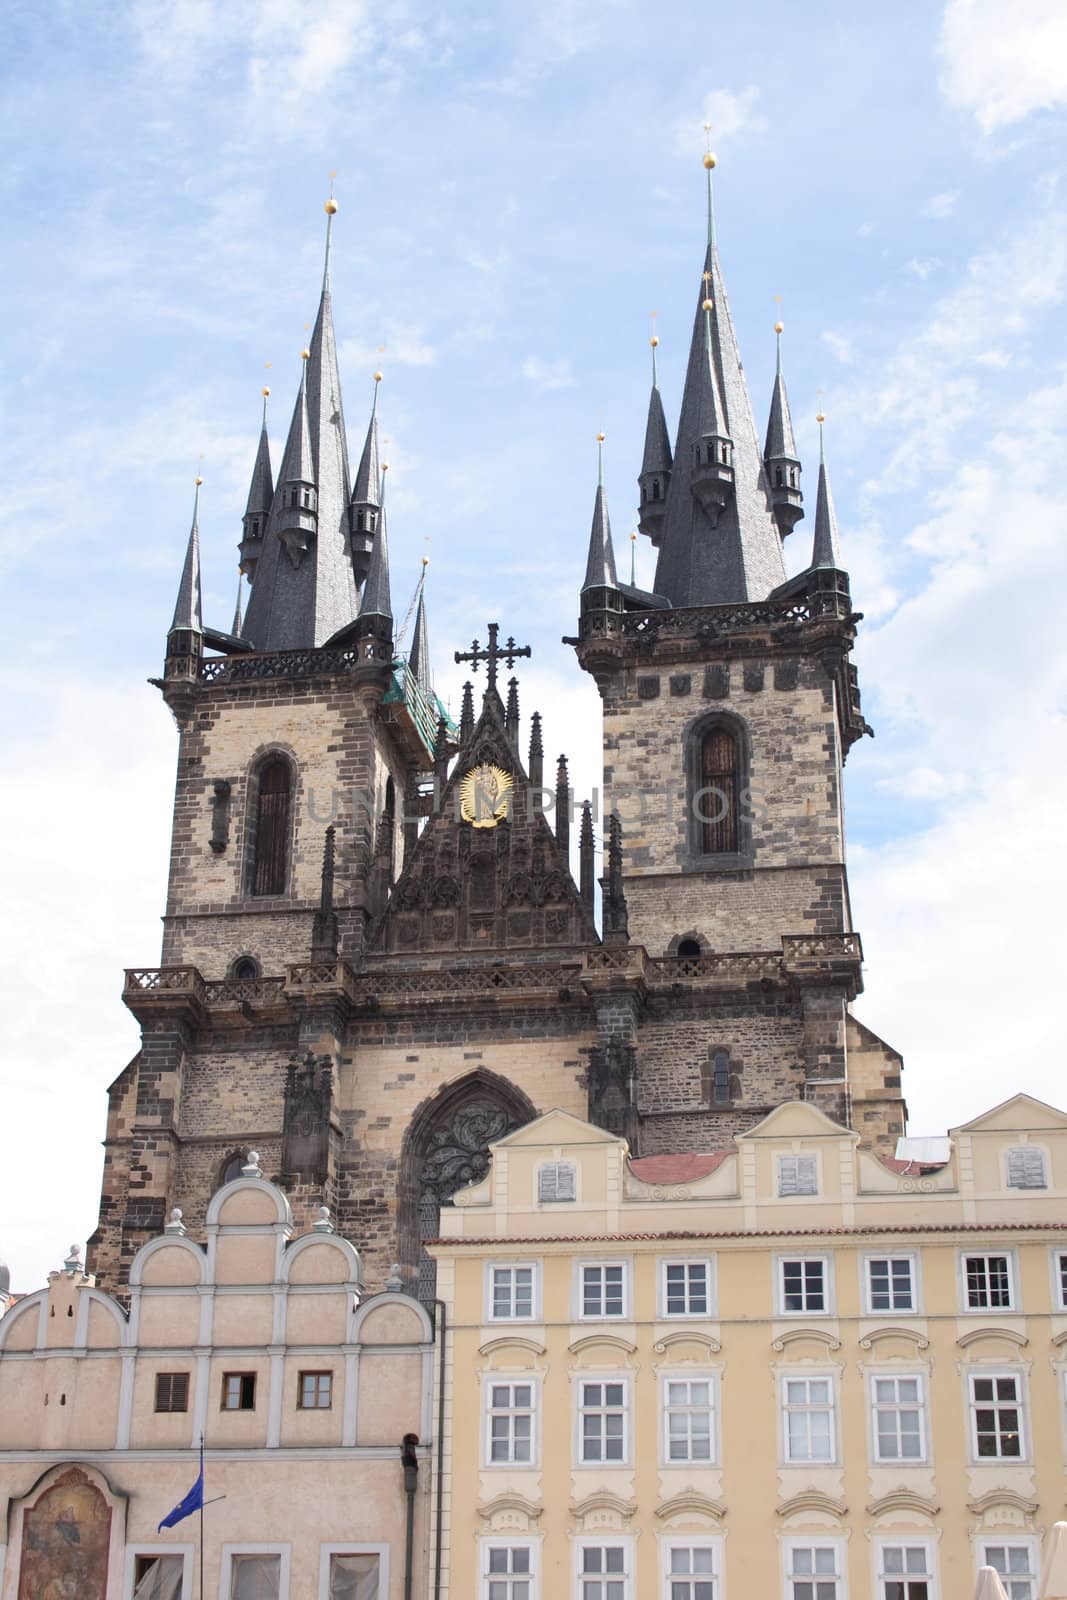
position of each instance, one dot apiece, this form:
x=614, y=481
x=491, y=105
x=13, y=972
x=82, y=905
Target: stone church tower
x=375, y=957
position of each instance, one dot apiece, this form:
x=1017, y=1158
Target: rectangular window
x=255, y=1577
x=899, y=1422
x=1061, y=1279
x=602, y=1422
x=603, y=1572
x=804, y=1284
x=507, y=1572
x=890, y=1283
x=1026, y=1168
x=604, y=1289
x=158, y=1577
x=692, y=1570
x=904, y=1572
x=808, y=1406
x=686, y=1288
x=988, y=1283
x=172, y=1391
x=688, y=1419
x=1016, y=1564
x=316, y=1391
x=355, y=1577
x=813, y=1572
x=556, y=1181
x=239, y=1394
x=997, y=1416
x=510, y=1424
x=797, y=1175
x=511, y=1293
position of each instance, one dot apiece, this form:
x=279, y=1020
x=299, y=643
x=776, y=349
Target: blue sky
x=519, y=189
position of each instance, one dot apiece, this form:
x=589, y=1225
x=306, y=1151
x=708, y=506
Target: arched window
x=719, y=792
x=245, y=969
x=270, y=866
x=232, y=1167
x=688, y=947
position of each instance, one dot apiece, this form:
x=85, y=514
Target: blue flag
x=192, y=1502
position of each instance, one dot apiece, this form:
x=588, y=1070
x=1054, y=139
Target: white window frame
x=711, y=1378
x=1027, y=1150
x=912, y=1257
x=973, y=1407
x=784, y=1411
x=581, y=1315
x=711, y=1286
x=581, y=1379
x=827, y=1280
x=815, y=1541
x=1007, y=1541
x=360, y=1547
x=510, y=1379
x=186, y=1551
x=284, y=1551
x=892, y=1375
x=1059, y=1280
x=600, y=1541
x=499, y=1541
x=491, y=1268
x=714, y=1543
x=796, y=1157
x=906, y=1541
x=556, y=1200
x=1007, y=1255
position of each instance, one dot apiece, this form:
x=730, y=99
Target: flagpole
x=201, y=1517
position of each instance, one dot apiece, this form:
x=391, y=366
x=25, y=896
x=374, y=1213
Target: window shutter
x=718, y=803
x=556, y=1182
x=1026, y=1168
x=797, y=1175
x=272, y=830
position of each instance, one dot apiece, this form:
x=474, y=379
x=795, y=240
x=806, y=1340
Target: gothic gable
x=486, y=872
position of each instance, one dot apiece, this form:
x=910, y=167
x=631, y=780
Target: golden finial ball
x=706, y=305
x=709, y=160
x=600, y=438
x=633, y=536
x=654, y=341
x=305, y=354
x=385, y=466
x=378, y=376
x=199, y=480
x=820, y=418
x=265, y=392
x=426, y=561
x=330, y=207
x=778, y=326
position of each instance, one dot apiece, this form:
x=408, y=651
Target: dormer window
x=657, y=491
x=1026, y=1168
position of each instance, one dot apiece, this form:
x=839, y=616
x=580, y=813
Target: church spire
x=260, y=495
x=780, y=454
x=657, y=462
x=304, y=590
x=238, y=610
x=600, y=565
x=826, y=551
x=188, y=614
x=377, y=605
x=365, y=504
x=719, y=541
x=419, y=654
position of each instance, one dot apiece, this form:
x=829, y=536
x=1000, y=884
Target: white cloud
x=922, y=266
x=730, y=112
x=1003, y=62
x=400, y=346
x=941, y=205
x=548, y=374
x=839, y=345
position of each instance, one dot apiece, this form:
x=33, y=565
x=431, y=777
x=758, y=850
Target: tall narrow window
x=718, y=799
x=269, y=872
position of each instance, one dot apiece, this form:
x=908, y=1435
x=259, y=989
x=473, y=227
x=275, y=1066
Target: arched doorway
x=447, y=1147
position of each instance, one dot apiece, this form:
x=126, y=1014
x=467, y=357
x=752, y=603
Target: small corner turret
x=298, y=518
x=657, y=462
x=711, y=470
x=601, y=601
x=185, y=637
x=364, y=508
x=260, y=498
x=780, y=454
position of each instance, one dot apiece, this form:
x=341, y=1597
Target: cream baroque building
x=791, y=1368
x=261, y=1344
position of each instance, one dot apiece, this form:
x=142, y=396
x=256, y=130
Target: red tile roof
x=682, y=1168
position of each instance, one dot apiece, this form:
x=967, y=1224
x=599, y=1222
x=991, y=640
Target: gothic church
x=367, y=995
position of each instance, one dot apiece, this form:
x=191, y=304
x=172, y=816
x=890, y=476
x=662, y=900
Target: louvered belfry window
x=272, y=830
x=718, y=801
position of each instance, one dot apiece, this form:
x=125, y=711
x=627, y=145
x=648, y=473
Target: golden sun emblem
x=485, y=796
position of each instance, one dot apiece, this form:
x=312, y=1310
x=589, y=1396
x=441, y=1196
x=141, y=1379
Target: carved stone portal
x=454, y=1154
